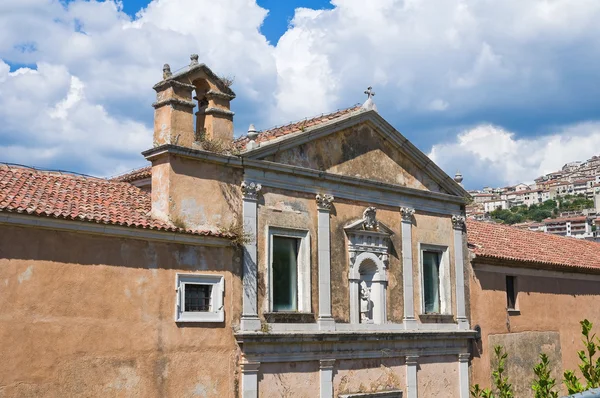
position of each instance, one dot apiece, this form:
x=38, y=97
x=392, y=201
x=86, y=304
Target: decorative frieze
x=458, y=222
x=407, y=214
x=250, y=190
x=324, y=202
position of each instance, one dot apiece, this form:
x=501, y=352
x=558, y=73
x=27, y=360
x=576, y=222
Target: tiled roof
x=508, y=243
x=271, y=134
x=134, y=175
x=71, y=197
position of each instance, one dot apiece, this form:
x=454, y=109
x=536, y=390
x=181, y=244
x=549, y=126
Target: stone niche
x=368, y=253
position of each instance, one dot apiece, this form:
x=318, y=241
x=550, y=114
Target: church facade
x=323, y=258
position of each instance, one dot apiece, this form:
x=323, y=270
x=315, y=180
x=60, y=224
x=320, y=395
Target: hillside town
x=565, y=202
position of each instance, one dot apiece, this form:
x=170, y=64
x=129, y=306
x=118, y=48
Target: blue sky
x=275, y=24
x=504, y=92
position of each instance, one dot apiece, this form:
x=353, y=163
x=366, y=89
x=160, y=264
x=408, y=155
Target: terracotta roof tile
x=271, y=134
x=71, y=197
x=508, y=243
x=134, y=175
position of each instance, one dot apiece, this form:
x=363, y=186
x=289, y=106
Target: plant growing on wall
x=543, y=384
x=502, y=386
x=590, y=368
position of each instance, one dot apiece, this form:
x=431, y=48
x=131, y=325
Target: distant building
x=578, y=227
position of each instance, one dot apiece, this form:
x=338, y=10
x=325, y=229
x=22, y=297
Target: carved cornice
x=218, y=111
x=326, y=364
x=249, y=367
x=458, y=222
x=217, y=94
x=412, y=360
x=250, y=190
x=324, y=201
x=172, y=83
x=174, y=101
x=464, y=357
x=407, y=214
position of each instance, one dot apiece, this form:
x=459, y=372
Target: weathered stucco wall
x=84, y=315
x=359, y=151
x=368, y=375
x=547, y=304
x=196, y=194
x=289, y=379
x=523, y=351
x=438, y=376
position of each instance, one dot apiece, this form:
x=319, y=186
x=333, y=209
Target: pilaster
x=458, y=223
x=250, y=379
x=324, y=204
x=463, y=374
x=326, y=377
x=250, y=320
x=411, y=375
x=407, y=268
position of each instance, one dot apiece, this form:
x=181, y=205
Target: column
x=324, y=203
x=250, y=379
x=411, y=376
x=326, y=377
x=458, y=223
x=250, y=320
x=463, y=374
x=407, y=268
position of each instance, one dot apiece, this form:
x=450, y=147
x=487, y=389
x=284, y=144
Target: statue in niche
x=365, y=303
x=370, y=218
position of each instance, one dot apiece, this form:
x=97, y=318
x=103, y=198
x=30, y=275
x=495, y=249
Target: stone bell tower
x=193, y=94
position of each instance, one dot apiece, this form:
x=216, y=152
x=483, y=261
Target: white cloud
x=473, y=54
x=86, y=106
x=491, y=155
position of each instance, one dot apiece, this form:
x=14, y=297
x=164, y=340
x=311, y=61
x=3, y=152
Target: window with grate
x=197, y=297
x=200, y=298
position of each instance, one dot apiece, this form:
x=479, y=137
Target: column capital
x=250, y=190
x=325, y=364
x=249, y=366
x=324, y=201
x=412, y=360
x=407, y=214
x=458, y=222
x=464, y=357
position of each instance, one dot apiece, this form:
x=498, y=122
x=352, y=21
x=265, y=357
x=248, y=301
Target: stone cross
x=369, y=92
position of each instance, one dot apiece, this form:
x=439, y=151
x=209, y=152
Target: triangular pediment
x=361, y=145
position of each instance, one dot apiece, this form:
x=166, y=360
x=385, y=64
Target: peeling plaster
x=26, y=275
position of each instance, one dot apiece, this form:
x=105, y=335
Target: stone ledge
x=436, y=318
x=289, y=317
x=377, y=394
x=174, y=101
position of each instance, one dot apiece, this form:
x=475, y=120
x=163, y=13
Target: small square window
x=199, y=298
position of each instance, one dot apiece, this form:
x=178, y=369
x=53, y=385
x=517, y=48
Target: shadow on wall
x=23, y=243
